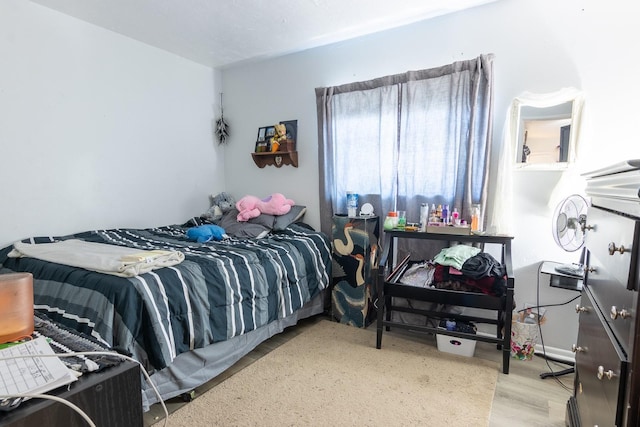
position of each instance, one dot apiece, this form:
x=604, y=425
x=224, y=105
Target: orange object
x=16, y=306
x=475, y=218
x=274, y=146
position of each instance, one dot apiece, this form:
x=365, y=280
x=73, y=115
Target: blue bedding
x=221, y=289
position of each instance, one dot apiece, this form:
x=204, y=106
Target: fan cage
x=568, y=223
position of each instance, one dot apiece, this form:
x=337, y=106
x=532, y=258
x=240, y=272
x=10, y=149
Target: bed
x=190, y=321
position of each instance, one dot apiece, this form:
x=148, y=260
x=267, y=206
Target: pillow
x=294, y=215
x=264, y=220
x=256, y=227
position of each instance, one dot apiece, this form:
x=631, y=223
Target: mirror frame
x=545, y=100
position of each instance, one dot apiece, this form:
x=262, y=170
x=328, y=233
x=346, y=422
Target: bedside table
x=111, y=398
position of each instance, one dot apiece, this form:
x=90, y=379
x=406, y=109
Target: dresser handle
x=586, y=227
x=622, y=313
x=601, y=373
x=581, y=309
x=613, y=249
x=576, y=348
x=592, y=269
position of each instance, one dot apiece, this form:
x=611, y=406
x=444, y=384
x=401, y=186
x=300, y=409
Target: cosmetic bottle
x=445, y=214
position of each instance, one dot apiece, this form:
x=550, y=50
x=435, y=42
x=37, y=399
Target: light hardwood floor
x=521, y=397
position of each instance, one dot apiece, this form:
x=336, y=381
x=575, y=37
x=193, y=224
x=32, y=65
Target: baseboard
x=556, y=353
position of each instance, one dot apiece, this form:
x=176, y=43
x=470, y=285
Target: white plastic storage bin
x=460, y=346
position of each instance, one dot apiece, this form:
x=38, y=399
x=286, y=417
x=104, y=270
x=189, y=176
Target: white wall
x=98, y=130
x=540, y=46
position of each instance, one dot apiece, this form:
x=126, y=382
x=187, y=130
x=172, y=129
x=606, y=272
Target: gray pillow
x=265, y=220
x=255, y=227
x=294, y=215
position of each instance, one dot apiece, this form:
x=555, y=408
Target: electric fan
x=568, y=225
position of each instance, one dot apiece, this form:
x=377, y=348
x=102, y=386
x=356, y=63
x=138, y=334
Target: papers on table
x=23, y=370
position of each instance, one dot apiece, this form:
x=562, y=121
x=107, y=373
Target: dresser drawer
x=612, y=241
x=611, y=275
x=601, y=369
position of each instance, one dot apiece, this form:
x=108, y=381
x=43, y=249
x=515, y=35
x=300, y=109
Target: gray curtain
x=402, y=140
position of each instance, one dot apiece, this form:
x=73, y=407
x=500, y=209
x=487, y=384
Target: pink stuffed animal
x=250, y=206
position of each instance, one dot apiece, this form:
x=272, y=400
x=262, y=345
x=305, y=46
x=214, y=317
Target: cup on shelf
x=402, y=219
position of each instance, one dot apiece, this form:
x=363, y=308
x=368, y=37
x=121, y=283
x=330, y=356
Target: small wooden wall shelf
x=277, y=158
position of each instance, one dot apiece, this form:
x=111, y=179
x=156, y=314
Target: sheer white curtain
x=402, y=140
x=365, y=149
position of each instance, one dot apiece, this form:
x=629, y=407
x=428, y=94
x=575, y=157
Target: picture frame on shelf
x=262, y=133
x=270, y=131
x=262, y=141
x=292, y=130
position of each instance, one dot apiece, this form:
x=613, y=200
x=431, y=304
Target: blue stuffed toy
x=204, y=233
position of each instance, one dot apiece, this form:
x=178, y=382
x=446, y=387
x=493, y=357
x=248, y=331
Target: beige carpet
x=333, y=375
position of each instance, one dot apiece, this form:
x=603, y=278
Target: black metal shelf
x=501, y=305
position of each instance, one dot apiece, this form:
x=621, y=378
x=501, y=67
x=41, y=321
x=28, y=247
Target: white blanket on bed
x=100, y=257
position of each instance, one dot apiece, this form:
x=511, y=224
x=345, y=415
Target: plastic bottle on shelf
x=439, y=213
x=445, y=214
x=455, y=216
x=424, y=216
x=475, y=218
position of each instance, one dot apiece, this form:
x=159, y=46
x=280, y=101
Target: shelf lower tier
x=276, y=158
x=500, y=306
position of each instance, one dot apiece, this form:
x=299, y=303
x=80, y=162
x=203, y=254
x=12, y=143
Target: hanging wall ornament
x=222, y=127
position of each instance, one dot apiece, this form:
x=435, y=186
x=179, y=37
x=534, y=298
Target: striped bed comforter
x=221, y=289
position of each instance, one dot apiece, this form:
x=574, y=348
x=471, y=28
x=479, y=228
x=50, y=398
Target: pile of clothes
x=461, y=268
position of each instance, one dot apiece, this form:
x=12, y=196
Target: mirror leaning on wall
x=544, y=128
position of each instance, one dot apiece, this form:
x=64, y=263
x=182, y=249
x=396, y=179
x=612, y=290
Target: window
x=402, y=140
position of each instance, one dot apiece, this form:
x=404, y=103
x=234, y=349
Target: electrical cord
x=549, y=305
x=86, y=353
x=544, y=351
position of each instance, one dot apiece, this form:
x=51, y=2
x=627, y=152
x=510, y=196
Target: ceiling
x=220, y=33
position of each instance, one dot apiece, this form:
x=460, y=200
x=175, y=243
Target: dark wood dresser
x=606, y=388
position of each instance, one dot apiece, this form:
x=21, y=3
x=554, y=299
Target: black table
x=111, y=398
x=500, y=307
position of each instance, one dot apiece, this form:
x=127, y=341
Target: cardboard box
x=460, y=346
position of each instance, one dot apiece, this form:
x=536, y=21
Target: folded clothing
x=455, y=256
x=100, y=257
x=419, y=274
